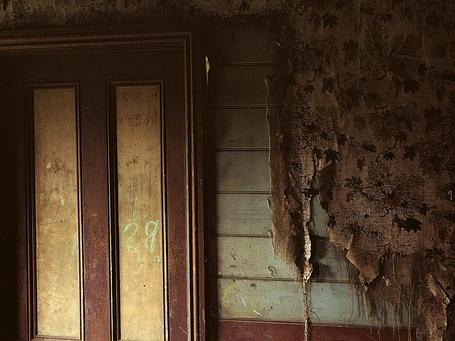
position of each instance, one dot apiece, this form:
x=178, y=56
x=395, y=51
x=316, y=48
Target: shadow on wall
x=10, y=217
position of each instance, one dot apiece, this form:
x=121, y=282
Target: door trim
x=134, y=38
x=245, y=330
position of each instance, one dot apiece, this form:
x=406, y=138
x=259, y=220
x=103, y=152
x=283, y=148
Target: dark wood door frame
x=136, y=38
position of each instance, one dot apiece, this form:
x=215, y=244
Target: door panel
x=107, y=251
x=140, y=218
x=57, y=224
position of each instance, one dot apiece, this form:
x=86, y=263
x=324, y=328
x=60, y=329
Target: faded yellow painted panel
x=57, y=213
x=142, y=293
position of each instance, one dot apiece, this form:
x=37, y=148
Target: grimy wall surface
x=377, y=61
x=247, y=280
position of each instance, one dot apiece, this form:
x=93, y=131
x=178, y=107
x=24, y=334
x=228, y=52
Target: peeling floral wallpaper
x=367, y=130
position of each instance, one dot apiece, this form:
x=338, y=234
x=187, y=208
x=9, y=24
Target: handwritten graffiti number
x=129, y=242
x=151, y=234
x=151, y=229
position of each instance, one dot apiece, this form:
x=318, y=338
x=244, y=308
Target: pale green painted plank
x=239, y=85
x=343, y=304
x=336, y=303
x=241, y=128
x=242, y=171
x=249, y=257
x=259, y=300
x=320, y=220
x=243, y=214
x=330, y=263
x=329, y=303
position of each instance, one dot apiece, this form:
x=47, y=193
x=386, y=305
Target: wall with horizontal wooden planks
x=253, y=295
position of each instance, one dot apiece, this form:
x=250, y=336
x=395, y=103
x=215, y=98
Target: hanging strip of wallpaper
x=368, y=129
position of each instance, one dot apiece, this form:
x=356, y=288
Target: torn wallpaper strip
x=368, y=129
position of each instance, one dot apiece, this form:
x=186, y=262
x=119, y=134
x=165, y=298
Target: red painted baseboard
x=244, y=330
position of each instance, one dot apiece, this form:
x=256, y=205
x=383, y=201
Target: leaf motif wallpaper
x=367, y=129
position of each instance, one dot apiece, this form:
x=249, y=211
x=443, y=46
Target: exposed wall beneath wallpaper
x=368, y=129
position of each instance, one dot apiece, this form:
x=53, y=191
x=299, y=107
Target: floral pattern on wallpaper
x=367, y=129
x=34, y=13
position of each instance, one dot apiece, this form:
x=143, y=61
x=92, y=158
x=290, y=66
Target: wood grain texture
x=242, y=214
x=241, y=128
x=241, y=264
x=279, y=299
x=242, y=171
x=259, y=299
x=249, y=257
x=57, y=212
x=95, y=213
x=275, y=331
x=139, y=150
x=253, y=256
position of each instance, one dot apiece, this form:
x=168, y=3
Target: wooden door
x=100, y=190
